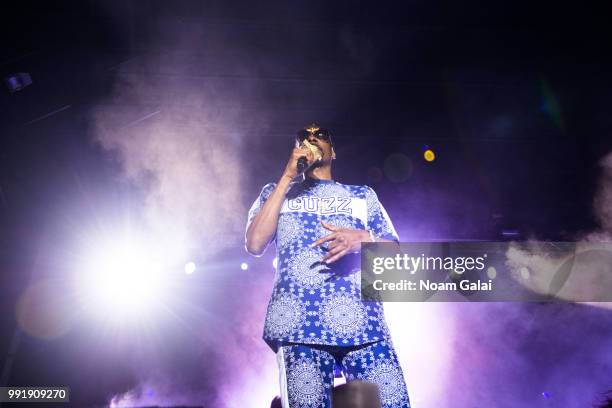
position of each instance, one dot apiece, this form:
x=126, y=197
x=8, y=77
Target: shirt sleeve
x=259, y=202
x=378, y=219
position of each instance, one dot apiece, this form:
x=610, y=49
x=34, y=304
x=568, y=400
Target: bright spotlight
x=120, y=279
x=190, y=268
x=244, y=266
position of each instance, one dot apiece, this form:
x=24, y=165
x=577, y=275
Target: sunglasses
x=321, y=134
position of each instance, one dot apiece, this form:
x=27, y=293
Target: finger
x=334, y=252
x=337, y=256
x=330, y=227
x=340, y=240
x=326, y=238
x=310, y=156
x=334, y=244
x=304, y=152
x=301, y=151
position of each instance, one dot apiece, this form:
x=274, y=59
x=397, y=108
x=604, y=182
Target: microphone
x=302, y=163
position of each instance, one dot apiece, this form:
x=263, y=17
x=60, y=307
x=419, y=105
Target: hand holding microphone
x=302, y=158
x=302, y=163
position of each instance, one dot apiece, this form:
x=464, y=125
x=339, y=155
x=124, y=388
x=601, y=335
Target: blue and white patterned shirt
x=315, y=303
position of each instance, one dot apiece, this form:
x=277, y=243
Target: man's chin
x=318, y=163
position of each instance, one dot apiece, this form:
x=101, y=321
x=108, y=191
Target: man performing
x=316, y=318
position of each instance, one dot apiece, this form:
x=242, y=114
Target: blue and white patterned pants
x=307, y=373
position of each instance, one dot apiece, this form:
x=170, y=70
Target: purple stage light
x=18, y=81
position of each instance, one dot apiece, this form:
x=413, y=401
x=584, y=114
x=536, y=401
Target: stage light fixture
x=429, y=155
x=17, y=82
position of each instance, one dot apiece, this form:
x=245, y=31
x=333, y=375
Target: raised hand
x=342, y=241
